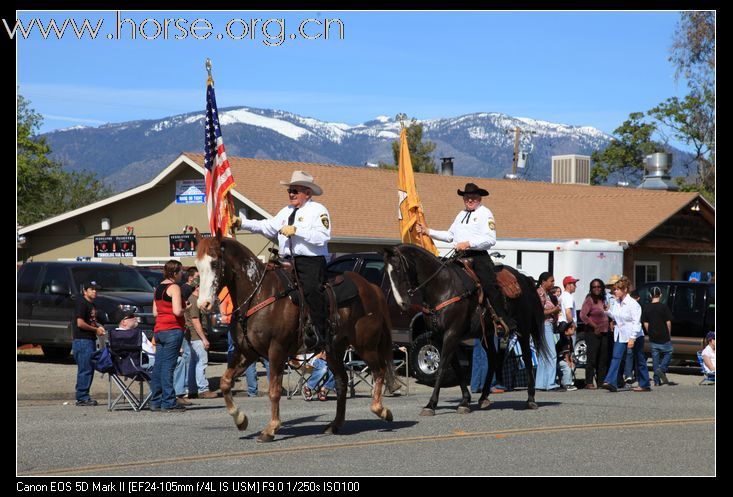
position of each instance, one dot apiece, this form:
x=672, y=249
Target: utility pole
x=517, y=133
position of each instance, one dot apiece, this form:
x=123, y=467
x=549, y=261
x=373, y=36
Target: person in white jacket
x=627, y=334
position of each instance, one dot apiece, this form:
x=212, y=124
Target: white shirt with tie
x=313, y=229
x=476, y=227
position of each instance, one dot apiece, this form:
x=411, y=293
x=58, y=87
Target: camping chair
x=707, y=378
x=301, y=367
x=129, y=361
x=358, y=371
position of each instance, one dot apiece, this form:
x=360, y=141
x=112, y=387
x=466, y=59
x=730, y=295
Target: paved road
x=670, y=431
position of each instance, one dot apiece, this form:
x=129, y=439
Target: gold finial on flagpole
x=210, y=80
x=401, y=117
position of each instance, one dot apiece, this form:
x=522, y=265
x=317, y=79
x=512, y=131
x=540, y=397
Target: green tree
x=419, y=151
x=625, y=154
x=44, y=188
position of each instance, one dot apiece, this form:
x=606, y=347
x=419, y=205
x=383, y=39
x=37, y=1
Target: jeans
x=83, y=350
x=642, y=371
x=320, y=369
x=629, y=364
x=197, y=367
x=230, y=346
x=180, y=373
x=168, y=343
x=251, y=374
x=566, y=373
x=617, y=354
x=479, y=366
x=547, y=362
x=665, y=350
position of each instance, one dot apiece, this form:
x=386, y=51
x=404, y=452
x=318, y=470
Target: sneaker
x=175, y=408
x=497, y=390
x=153, y=407
x=208, y=395
x=628, y=380
x=88, y=402
x=570, y=388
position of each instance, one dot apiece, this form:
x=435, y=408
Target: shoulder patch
x=324, y=220
x=492, y=225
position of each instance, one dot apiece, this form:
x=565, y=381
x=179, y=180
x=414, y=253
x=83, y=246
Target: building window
x=646, y=271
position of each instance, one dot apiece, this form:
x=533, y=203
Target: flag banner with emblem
x=219, y=179
x=410, y=211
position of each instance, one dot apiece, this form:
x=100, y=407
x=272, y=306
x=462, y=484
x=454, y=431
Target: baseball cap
x=91, y=284
x=124, y=314
x=569, y=279
x=710, y=336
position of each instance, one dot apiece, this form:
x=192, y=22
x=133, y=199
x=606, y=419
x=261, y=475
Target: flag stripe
x=219, y=179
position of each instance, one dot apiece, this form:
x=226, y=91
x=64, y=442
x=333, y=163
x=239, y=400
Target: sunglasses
x=596, y=286
x=295, y=191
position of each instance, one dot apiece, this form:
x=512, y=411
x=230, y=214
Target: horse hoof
x=331, y=430
x=532, y=405
x=427, y=412
x=263, y=438
x=484, y=404
x=241, y=422
x=387, y=415
x=463, y=410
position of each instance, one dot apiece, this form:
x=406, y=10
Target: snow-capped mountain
x=482, y=144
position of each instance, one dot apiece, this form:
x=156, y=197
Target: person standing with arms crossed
x=85, y=336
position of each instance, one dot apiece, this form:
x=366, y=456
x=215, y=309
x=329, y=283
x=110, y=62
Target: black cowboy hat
x=473, y=188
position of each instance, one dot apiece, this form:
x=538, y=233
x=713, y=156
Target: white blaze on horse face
x=399, y=298
x=206, y=279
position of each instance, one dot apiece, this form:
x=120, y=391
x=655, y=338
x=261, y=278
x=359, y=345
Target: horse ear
x=198, y=236
x=387, y=250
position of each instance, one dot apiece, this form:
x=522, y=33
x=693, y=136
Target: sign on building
x=191, y=191
x=115, y=246
x=182, y=245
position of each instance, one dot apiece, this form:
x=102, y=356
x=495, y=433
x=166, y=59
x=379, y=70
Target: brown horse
x=272, y=331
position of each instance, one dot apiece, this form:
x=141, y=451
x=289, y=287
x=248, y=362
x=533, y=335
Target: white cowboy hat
x=301, y=178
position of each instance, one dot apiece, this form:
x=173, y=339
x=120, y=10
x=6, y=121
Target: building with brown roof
x=671, y=233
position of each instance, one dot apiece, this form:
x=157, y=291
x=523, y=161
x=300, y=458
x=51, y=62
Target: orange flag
x=409, y=201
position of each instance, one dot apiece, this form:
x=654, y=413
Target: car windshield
x=108, y=279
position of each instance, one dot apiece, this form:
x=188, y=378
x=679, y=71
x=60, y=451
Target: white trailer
x=583, y=259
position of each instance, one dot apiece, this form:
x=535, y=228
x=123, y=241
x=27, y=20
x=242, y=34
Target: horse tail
x=537, y=318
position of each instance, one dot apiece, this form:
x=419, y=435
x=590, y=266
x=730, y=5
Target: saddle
x=506, y=280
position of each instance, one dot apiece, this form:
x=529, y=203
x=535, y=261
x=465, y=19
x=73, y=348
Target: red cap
x=567, y=280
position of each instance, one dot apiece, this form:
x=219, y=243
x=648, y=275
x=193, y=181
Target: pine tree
x=419, y=151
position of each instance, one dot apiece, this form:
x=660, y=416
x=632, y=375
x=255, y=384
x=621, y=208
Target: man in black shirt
x=657, y=321
x=85, y=338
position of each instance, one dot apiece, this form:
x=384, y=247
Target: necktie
x=465, y=219
x=291, y=218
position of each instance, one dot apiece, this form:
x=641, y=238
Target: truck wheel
x=580, y=351
x=55, y=352
x=425, y=359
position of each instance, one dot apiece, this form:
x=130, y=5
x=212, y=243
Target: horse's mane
x=228, y=244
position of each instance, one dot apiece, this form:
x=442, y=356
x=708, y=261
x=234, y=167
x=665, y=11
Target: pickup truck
x=408, y=328
x=48, y=291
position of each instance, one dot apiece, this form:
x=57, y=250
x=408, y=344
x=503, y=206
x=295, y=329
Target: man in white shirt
x=303, y=229
x=567, y=304
x=473, y=232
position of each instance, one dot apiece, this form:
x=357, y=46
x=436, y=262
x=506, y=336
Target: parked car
x=48, y=292
x=152, y=276
x=408, y=327
x=693, y=316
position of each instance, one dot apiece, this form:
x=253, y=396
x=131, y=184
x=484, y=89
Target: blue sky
x=580, y=68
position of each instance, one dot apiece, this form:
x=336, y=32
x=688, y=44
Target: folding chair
x=358, y=371
x=707, y=378
x=301, y=367
x=129, y=360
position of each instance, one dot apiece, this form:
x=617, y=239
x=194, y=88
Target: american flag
x=219, y=179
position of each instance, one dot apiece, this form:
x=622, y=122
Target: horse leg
x=227, y=379
x=379, y=368
x=336, y=365
x=450, y=341
x=527, y=357
x=277, y=364
x=483, y=401
x=465, y=406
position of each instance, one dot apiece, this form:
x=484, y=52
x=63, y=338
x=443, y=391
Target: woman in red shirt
x=168, y=310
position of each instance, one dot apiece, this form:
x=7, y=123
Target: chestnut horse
x=452, y=304
x=272, y=331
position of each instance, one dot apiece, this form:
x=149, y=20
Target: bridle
x=220, y=277
x=404, y=263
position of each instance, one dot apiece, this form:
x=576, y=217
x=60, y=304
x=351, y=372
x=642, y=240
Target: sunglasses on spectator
x=596, y=286
x=295, y=191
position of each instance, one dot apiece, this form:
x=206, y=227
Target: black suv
x=48, y=292
x=408, y=327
